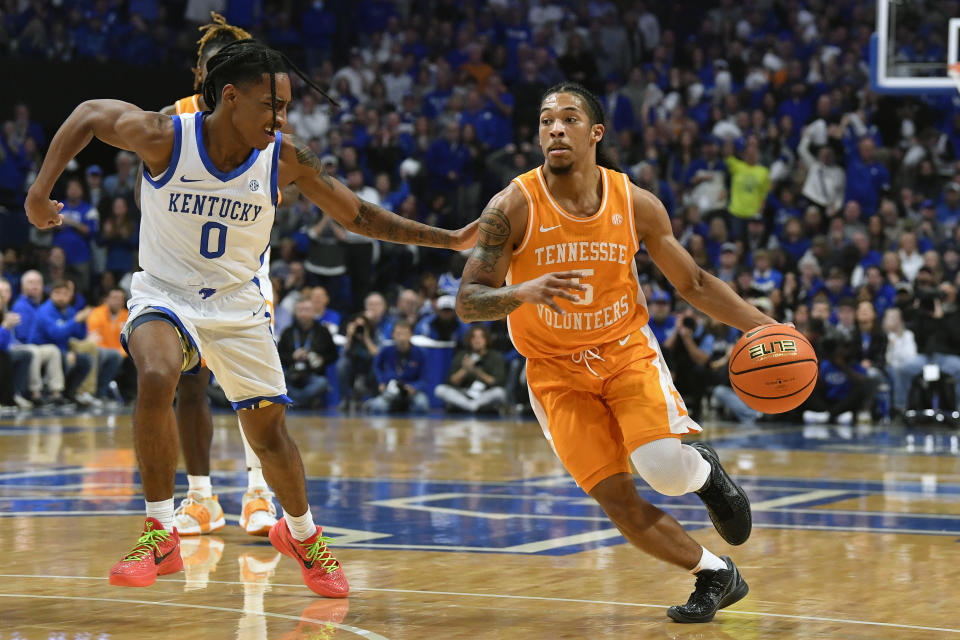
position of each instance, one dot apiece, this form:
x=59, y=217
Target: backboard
x=914, y=47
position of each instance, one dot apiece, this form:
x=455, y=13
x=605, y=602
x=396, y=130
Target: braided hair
x=594, y=111
x=245, y=61
x=215, y=35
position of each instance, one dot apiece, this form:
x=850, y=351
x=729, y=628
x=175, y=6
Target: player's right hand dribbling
x=544, y=289
x=42, y=212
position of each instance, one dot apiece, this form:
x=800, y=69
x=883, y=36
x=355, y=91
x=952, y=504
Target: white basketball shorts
x=230, y=330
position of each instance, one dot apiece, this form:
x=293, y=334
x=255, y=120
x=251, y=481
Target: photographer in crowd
x=355, y=366
x=477, y=375
x=306, y=348
x=399, y=371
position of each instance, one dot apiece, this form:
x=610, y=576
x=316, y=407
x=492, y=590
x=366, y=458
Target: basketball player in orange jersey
x=200, y=512
x=556, y=257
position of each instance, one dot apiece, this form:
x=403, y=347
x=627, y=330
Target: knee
x=661, y=472
x=666, y=483
x=157, y=380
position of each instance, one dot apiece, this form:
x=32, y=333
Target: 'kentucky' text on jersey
x=601, y=247
x=216, y=223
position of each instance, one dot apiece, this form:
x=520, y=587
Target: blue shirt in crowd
x=389, y=365
x=56, y=327
x=75, y=245
x=27, y=309
x=838, y=383
x=865, y=182
x=663, y=329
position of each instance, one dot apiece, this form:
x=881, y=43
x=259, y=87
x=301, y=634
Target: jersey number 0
x=208, y=228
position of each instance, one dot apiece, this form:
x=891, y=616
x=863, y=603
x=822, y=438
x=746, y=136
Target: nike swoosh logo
x=186, y=179
x=624, y=339
x=307, y=563
x=158, y=559
x=544, y=229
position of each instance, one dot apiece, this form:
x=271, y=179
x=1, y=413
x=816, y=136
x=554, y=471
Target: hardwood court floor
x=470, y=529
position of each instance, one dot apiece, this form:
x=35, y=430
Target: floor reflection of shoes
x=320, y=620
x=258, y=568
x=200, y=558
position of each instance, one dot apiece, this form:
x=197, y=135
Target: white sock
x=301, y=527
x=255, y=480
x=201, y=485
x=162, y=510
x=708, y=562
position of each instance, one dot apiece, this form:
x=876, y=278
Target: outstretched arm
x=482, y=295
x=701, y=289
x=300, y=165
x=120, y=124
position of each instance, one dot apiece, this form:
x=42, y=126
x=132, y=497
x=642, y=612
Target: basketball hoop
x=954, y=72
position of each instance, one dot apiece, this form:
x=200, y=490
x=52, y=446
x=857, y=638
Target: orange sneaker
x=157, y=553
x=320, y=570
x=320, y=620
x=201, y=555
x=197, y=515
x=259, y=513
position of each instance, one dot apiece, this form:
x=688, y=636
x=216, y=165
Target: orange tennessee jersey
x=601, y=247
x=190, y=104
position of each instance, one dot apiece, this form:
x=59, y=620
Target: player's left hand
x=466, y=237
x=42, y=212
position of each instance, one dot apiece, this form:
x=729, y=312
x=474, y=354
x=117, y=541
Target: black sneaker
x=714, y=590
x=726, y=502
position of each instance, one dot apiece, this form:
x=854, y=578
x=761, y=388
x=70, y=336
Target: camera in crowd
x=926, y=298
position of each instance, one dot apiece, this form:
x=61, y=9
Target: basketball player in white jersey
x=211, y=184
x=200, y=512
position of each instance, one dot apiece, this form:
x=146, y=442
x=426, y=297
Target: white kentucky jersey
x=202, y=227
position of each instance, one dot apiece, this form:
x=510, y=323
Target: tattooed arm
x=148, y=134
x=299, y=165
x=482, y=295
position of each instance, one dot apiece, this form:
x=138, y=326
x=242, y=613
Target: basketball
x=773, y=368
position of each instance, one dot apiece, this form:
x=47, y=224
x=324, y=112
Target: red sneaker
x=157, y=553
x=321, y=571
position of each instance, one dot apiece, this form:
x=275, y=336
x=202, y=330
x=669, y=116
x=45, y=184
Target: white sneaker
x=864, y=417
x=197, y=515
x=258, y=513
x=845, y=418
x=816, y=417
x=22, y=402
x=85, y=399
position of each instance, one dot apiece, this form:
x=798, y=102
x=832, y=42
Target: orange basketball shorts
x=597, y=406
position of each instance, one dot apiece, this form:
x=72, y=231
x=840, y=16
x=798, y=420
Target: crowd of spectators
x=819, y=201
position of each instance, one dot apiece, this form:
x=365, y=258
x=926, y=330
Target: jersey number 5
x=207, y=229
x=587, y=288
